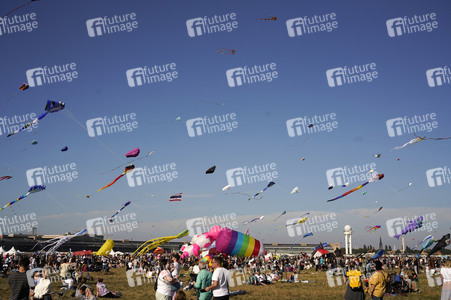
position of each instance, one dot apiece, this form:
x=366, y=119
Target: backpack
x=354, y=279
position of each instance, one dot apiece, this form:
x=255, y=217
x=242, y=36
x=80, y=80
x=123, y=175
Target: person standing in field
x=220, y=279
x=377, y=283
x=18, y=282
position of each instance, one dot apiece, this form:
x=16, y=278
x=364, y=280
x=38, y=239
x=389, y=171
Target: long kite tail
x=14, y=201
x=111, y=182
x=154, y=243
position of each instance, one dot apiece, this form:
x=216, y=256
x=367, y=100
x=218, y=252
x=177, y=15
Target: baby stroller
x=396, y=285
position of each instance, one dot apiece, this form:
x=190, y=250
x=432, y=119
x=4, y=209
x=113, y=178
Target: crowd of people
x=211, y=278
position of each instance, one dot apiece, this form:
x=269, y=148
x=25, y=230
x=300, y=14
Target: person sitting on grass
x=86, y=293
x=103, y=292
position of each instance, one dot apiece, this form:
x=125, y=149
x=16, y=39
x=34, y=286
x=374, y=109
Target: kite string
x=17, y=8
x=69, y=114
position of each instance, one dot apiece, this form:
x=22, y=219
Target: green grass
x=117, y=280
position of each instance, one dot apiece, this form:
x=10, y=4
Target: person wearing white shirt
x=220, y=280
x=445, y=274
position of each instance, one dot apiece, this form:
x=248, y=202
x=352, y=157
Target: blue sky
x=261, y=109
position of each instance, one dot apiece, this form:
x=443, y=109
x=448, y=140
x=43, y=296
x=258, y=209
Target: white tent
x=11, y=251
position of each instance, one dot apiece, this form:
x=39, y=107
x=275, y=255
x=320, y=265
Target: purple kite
x=413, y=225
x=133, y=153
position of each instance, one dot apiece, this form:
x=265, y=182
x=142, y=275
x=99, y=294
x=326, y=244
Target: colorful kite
x=295, y=190
x=105, y=249
x=148, y=154
x=300, y=221
x=32, y=190
x=17, y=9
x=425, y=240
x=226, y=51
x=125, y=205
x=154, y=243
x=442, y=243
x=64, y=149
x=426, y=244
x=320, y=246
x=375, y=177
x=271, y=18
x=270, y=184
x=304, y=236
x=378, y=254
x=372, y=228
x=5, y=177
x=23, y=87
x=380, y=208
x=128, y=169
x=413, y=225
x=133, y=153
x=417, y=139
x=232, y=242
x=177, y=197
x=284, y=212
x=253, y=220
x=210, y=170
x=50, y=107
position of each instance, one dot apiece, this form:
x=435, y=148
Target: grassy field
x=117, y=280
